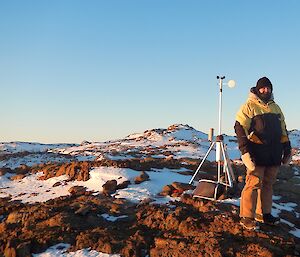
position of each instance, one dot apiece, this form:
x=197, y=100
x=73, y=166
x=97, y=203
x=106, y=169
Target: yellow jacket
x=254, y=107
x=261, y=130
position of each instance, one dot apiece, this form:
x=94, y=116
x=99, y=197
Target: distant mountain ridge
x=17, y=146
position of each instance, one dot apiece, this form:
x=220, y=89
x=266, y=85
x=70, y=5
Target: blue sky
x=98, y=70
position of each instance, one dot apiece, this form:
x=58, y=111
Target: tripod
x=209, y=189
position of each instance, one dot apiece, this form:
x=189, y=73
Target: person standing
x=264, y=145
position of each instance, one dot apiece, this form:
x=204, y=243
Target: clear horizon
x=101, y=70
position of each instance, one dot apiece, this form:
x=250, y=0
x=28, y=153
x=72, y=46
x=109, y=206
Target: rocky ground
x=189, y=227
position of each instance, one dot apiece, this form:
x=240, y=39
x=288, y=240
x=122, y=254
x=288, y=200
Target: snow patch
x=61, y=250
x=30, y=189
x=112, y=218
x=296, y=232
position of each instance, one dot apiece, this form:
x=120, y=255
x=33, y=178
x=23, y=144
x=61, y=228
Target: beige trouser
x=258, y=190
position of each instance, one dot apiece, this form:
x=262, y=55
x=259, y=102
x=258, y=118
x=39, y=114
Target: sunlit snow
x=61, y=250
x=30, y=189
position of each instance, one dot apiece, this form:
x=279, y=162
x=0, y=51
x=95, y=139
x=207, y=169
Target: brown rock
x=18, y=177
x=3, y=171
x=167, y=190
x=141, y=178
x=77, y=190
x=182, y=186
x=61, y=170
x=74, y=170
x=56, y=184
x=123, y=185
x=110, y=187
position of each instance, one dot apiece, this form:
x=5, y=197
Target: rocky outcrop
x=74, y=170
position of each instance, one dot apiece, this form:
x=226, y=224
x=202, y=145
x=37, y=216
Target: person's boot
x=259, y=218
x=267, y=218
x=249, y=223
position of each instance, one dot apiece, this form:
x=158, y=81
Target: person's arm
x=243, y=146
x=241, y=137
x=242, y=125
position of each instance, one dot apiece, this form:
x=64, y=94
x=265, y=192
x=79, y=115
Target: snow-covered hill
x=176, y=141
x=14, y=154
x=16, y=147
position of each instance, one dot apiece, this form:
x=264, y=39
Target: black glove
x=286, y=159
x=287, y=153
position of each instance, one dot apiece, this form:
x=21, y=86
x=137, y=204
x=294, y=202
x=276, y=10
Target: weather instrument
x=210, y=189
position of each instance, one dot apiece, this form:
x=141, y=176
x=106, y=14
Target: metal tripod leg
x=228, y=164
x=200, y=165
x=227, y=168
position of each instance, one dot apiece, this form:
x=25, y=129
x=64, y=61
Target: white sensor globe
x=231, y=83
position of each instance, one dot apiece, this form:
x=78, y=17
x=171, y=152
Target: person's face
x=265, y=90
x=265, y=93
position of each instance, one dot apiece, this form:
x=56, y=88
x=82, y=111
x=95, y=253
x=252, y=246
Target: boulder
x=141, y=178
x=110, y=187
x=123, y=185
x=77, y=190
x=167, y=190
